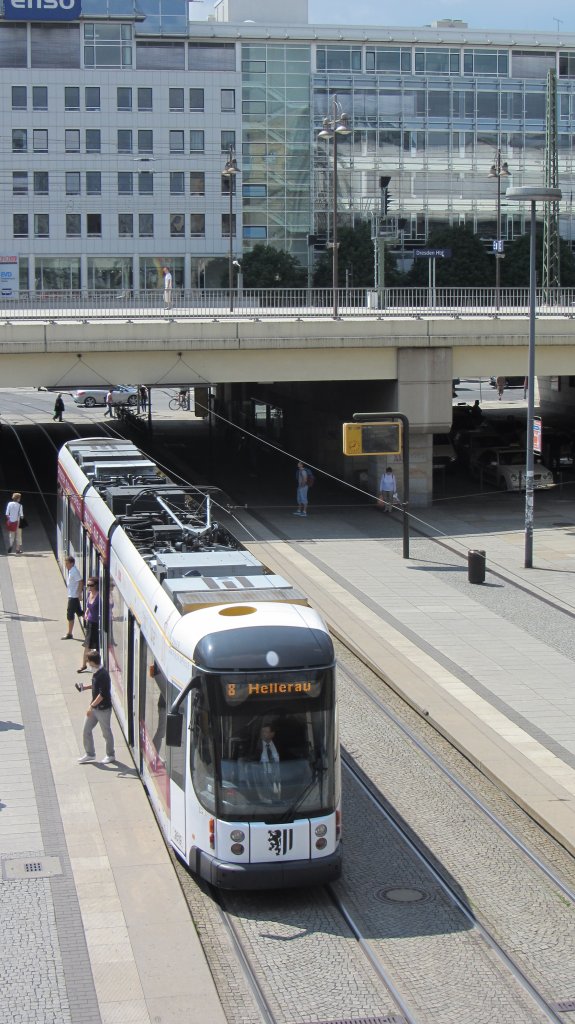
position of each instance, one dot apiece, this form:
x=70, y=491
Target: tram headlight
x=321, y=830
x=238, y=849
x=237, y=836
x=320, y=844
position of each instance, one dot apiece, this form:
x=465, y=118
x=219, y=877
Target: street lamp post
x=531, y=195
x=499, y=171
x=333, y=127
x=230, y=171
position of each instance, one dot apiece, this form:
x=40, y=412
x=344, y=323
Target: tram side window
x=155, y=715
x=116, y=639
x=201, y=751
x=177, y=755
x=75, y=538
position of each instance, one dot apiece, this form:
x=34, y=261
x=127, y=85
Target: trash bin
x=476, y=566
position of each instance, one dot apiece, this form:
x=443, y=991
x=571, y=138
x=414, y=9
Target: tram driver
x=268, y=756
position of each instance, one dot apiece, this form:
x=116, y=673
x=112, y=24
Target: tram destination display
x=381, y=438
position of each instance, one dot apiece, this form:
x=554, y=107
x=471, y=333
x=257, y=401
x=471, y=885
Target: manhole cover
x=401, y=894
x=40, y=867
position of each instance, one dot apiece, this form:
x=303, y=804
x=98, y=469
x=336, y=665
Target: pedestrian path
x=491, y=666
x=94, y=926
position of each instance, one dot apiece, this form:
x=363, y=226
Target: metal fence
x=258, y=303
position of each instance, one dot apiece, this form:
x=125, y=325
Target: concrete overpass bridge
x=312, y=370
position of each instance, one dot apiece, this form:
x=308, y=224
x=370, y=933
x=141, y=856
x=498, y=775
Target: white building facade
x=118, y=118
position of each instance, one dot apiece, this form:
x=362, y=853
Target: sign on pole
x=383, y=438
x=537, y=435
x=432, y=254
x=9, y=277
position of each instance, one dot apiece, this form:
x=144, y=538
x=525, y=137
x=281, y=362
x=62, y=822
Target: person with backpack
x=304, y=480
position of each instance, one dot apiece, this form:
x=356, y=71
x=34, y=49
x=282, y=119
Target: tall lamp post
x=333, y=127
x=230, y=171
x=526, y=194
x=499, y=171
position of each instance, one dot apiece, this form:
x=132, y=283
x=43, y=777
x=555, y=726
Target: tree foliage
x=515, y=266
x=356, y=256
x=266, y=267
x=469, y=265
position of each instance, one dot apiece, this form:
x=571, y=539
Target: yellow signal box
x=383, y=438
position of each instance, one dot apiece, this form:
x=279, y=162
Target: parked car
x=443, y=451
x=469, y=444
x=507, y=468
x=89, y=397
x=510, y=382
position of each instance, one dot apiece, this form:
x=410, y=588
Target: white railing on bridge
x=257, y=303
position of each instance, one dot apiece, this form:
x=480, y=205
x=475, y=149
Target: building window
x=107, y=45
x=177, y=225
x=71, y=97
x=197, y=100
x=19, y=140
x=93, y=183
x=145, y=183
x=339, y=58
x=72, y=183
x=73, y=225
x=20, y=225
x=19, y=183
x=124, y=140
x=196, y=141
x=212, y=56
x=197, y=225
x=176, y=183
x=125, y=183
x=145, y=140
x=19, y=97
x=146, y=225
x=41, y=225
x=93, y=140
x=228, y=139
x=176, y=99
x=126, y=225
x=254, y=191
x=94, y=225
x=486, y=62
x=92, y=97
x=144, y=99
x=40, y=97
x=388, y=59
x=40, y=140
x=258, y=231
x=41, y=183
x=197, y=183
x=227, y=181
x=123, y=98
x=437, y=60
x=228, y=99
x=176, y=142
x=72, y=140
x=226, y=225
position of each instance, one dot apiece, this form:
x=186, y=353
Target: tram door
x=133, y=688
x=177, y=760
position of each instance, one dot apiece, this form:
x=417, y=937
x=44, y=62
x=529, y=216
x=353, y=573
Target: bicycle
x=179, y=402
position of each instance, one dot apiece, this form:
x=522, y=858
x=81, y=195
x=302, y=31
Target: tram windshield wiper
x=319, y=769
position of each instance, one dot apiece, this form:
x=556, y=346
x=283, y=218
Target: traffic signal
x=385, y=196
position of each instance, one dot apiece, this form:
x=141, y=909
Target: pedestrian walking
x=91, y=621
x=168, y=287
x=500, y=385
x=14, y=517
x=387, y=489
x=99, y=712
x=58, y=409
x=143, y=397
x=73, y=590
x=304, y=480
x=110, y=404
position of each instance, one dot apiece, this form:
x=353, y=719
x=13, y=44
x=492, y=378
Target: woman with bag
x=14, y=517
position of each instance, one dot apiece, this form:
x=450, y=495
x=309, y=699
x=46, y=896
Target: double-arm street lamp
x=526, y=194
x=229, y=172
x=333, y=127
x=499, y=171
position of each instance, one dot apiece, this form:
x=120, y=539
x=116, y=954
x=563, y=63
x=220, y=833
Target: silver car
x=507, y=468
x=122, y=395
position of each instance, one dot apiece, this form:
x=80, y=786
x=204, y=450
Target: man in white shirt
x=270, y=758
x=168, y=283
x=14, y=513
x=74, y=591
x=388, y=489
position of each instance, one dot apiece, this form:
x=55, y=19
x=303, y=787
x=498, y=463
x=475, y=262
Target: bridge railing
x=254, y=303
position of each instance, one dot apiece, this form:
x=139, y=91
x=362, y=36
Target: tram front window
x=274, y=751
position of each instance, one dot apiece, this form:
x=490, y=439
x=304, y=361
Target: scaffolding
x=551, y=259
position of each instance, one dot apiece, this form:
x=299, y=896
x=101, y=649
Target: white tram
x=223, y=678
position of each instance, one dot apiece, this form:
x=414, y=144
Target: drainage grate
x=390, y=1018
x=565, y=1006
x=44, y=867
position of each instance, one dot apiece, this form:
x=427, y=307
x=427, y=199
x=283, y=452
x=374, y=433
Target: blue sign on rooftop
x=42, y=10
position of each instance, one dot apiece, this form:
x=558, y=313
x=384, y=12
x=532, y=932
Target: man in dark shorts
x=74, y=591
x=91, y=621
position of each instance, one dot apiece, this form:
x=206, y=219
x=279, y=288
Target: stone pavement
x=94, y=928
x=491, y=665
